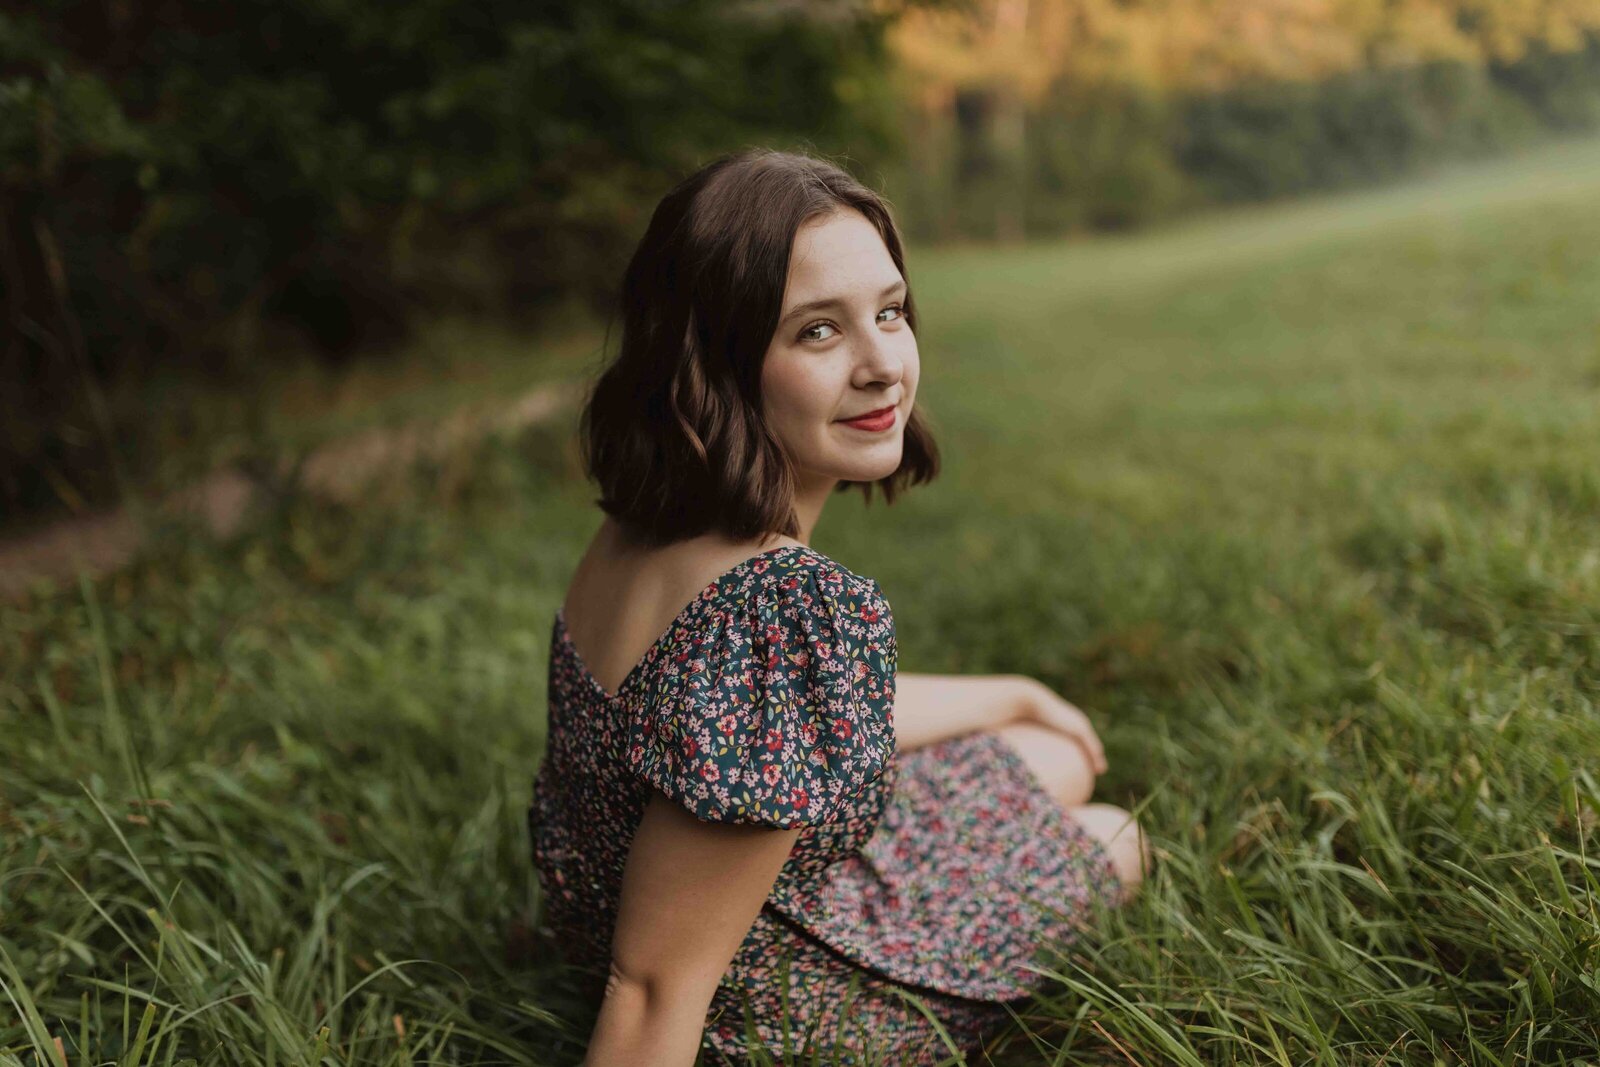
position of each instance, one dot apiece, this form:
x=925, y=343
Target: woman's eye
x=895, y=307
x=806, y=334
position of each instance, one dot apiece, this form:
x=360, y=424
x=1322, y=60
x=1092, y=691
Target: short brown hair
x=672, y=430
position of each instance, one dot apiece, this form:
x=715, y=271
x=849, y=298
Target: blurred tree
x=1103, y=113
x=197, y=188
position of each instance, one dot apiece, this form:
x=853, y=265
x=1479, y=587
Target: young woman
x=744, y=816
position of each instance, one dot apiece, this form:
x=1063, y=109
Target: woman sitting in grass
x=748, y=828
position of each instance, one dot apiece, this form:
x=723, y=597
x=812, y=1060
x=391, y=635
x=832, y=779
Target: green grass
x=1301, y=504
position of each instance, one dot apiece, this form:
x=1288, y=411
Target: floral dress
x=928, y=876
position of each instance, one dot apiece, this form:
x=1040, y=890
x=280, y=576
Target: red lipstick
x=873, y=421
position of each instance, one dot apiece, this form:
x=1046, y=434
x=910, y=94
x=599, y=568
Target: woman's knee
x=1123, y=838
x=1056, y=760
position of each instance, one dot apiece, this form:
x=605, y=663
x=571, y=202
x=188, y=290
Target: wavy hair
x=672, y=430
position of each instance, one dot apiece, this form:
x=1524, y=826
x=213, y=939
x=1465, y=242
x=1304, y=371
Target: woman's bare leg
x=1123, y=838
x=1055, y=759
x=1063, y=769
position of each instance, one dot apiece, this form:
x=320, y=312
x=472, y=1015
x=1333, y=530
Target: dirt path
x=222, y=501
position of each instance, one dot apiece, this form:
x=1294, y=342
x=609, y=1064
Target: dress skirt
x=969, y=822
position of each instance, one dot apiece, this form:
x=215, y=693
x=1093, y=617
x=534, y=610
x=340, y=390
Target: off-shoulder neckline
x=705, y=596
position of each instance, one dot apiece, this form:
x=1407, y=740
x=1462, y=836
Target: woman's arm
x=932, y=707
x=690, y=891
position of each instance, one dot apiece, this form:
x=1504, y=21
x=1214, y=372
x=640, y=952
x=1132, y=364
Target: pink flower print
x=709, y=771
x=824, y=651
x=861, y=670
x=728, y=724
x=760, y=565
x=770, y=773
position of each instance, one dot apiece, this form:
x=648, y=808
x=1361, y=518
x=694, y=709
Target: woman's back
x=715, y=718
x=622, y=596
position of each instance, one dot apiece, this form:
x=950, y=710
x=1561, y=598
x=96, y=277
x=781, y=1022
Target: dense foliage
x=196, y=187
x=1037, y=118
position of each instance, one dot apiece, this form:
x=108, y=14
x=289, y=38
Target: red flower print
x=771, y=773
x=710, y=772
x=760, y=565
x=808, y=733
x=691, y=748
x=870, y=615
x=728, y=724
x=800, y=798
x=841, y=728
x=824, y=651
x=774, y=740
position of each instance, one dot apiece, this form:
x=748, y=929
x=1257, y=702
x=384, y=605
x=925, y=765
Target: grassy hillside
x=1299, y=503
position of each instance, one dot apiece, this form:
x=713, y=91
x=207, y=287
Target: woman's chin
x=868, y=472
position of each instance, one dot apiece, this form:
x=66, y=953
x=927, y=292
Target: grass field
x=1299, y=503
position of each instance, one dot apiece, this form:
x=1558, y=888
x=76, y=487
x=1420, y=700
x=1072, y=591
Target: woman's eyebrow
x=836, y=301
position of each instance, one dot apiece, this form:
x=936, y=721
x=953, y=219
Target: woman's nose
x=882, y=360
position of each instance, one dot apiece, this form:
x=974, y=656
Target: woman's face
x=842, y=349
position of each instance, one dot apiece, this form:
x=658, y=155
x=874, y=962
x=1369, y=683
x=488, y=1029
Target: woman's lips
x=876, y=421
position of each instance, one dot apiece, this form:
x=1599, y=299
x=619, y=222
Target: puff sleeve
x=773, y=705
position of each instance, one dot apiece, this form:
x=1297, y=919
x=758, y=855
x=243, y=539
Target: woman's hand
x=1041, y=705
